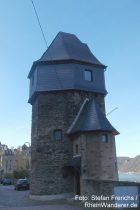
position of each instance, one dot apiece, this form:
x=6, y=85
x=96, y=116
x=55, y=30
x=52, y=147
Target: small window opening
x=105, y=138
x=57, y=134
x=88, y=75
x=76, y=149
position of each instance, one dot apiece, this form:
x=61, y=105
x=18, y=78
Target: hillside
x=126, y=164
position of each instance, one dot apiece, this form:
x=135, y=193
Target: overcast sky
x=112, y=31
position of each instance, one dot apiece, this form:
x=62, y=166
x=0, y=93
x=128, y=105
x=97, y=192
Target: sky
x=112, y=31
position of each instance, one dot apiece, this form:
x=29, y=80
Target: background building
x=14, y=159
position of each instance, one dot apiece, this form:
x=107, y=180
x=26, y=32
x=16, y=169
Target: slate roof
x=67, y=46
x=91, y=118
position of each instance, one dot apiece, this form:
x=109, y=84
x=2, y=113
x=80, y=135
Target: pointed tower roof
x=90, y=118
x=67, y=46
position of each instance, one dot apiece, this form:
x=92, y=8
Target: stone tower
x=72, y=139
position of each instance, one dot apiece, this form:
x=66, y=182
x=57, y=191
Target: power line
x=37, y=17
x=38, y=20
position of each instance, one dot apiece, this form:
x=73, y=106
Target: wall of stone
x=50, y=111
x=95, y=187
x=98, y=158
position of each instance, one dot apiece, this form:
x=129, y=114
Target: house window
x=57, y=134
x=88, y=75
x=76, y=149
x=104, y=138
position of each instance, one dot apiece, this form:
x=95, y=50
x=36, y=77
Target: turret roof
x=91, y=118
x=67, y=46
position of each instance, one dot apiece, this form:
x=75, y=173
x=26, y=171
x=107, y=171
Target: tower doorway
x=77, y=182
x=74, y=169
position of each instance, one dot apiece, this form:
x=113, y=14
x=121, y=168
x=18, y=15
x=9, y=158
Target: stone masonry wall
x=50, y=111
x=98, y=158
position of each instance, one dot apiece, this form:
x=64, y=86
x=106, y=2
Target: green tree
x=21, y=174
x=8, y=175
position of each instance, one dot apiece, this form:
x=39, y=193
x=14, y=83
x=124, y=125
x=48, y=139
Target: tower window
x=104, y=138
x=57, y=134
x=76, y=149
x=88, y=75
